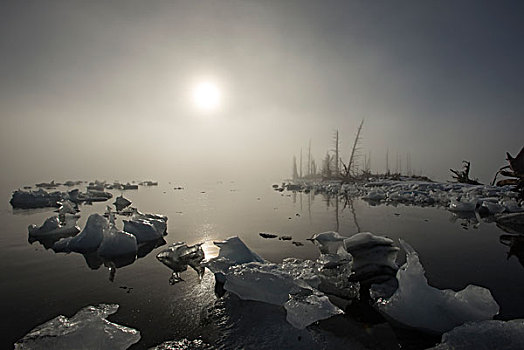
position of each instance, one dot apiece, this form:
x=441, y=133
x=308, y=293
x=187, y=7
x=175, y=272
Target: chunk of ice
x=88, y=329
x=86, y=241
x=305, y=310
x=418, y=305
x=232, y=252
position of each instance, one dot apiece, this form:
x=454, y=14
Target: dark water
x=37, y=284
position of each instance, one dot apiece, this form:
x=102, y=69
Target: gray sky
x=101, y=89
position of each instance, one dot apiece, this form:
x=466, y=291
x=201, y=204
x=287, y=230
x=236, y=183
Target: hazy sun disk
x=206, y=96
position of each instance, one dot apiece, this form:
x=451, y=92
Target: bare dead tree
x=349, y=168
x=462, y=176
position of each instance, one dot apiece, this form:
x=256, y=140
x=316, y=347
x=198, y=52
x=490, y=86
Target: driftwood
x=515, y=169
x=462, y=176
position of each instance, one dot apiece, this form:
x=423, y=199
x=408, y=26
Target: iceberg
x=87, y=329
x=417, y=305
x=484, y=335
x=52, y=227
x=86, y=241
x=143, y=230
x=117, y=243
x=121, y=202
x=36, y=199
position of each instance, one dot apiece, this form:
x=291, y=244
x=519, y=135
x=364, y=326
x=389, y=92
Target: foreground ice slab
x=485, y=335
x=296, y=284
x=232, y=252
x=418, y=305
x=88, y=329
x=272, y=284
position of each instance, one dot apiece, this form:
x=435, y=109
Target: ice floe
x=87, y=329
x=417, y=305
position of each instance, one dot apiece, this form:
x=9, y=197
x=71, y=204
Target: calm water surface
x=38, y=285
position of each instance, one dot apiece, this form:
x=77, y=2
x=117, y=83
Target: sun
x=206, y=96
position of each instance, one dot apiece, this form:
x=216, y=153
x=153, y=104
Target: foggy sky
x=100, y=89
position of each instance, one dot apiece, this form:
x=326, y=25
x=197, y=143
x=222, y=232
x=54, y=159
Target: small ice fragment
x=418, y=305
x=121, y=202
x=303, y=310
x=87, y=329
x=267, y=235
x=328, y=242
x=484, y=335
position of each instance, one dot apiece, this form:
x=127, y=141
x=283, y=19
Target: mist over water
x=214, y=99
x=96, y=90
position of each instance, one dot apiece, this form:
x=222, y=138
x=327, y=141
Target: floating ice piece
x=179, y=255
x=36, y=199
x=117, y=243
x=272, y=284
x=485, y=335
x=143, y=230
x=327, y=242
x=67, y=207
x=121, y=202
x=86, y=241
x=88, y=329
x=418, y=305
x=52, y=226
x=232, y=252
x=373, y=257
x=148, y=216
x=262, y=282
x=158, y=221
x=303, y=310
x=267, y=235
